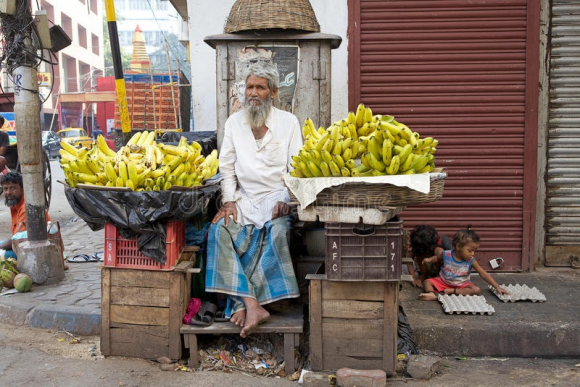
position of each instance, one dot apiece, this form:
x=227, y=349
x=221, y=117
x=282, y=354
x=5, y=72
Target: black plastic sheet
x=405, y=340
x=207, y=139
x=141, y=215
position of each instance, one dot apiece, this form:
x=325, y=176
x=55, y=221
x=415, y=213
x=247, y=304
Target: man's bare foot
x=255, y=315
x=239, y=318
x=428, y=296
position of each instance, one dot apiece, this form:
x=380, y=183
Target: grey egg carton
x=460, y=304
x=519, y=293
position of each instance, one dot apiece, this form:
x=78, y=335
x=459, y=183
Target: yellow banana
x=347, y=154
x=406, y=165
x=172, y=150
x=375, y=147
x=368, y=114
x=345, y=171
x=387, y=151
x=316, y=172
x=351, y=118
x=313, y=132
x=393, y=129
x=349, y=163
x=346, y=143
x=305, y=170
x=69, y=148
x=337, y=150
x=103, y=147
x=86, y=178
x=419, y=162
x=325, y=169
x=132, y=173
x=353, y=132
x=326, y=155
x=364, y=160
x=360, y=115
x=322, y=141
x=134, y=139
x=404, y=153
x=82, y=152
x=338, y=160
x=375, y=163
x=123, y=174
x=393, y=168
x=316, y=156
x=334, y=169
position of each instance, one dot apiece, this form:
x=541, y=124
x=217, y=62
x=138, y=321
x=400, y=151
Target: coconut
x=22, y=283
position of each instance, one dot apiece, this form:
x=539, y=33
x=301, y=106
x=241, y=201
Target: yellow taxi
x=77, y=137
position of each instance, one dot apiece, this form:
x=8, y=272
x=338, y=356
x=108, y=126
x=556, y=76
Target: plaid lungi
x=244, y=261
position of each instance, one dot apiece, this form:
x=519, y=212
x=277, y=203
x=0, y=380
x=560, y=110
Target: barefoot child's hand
x=417, y=282
x=501, y=290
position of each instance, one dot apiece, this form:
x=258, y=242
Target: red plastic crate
x=124, y=253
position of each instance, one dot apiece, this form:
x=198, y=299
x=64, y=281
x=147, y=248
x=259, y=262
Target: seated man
x=248, y=256
x=13, y=189
x=425, y=242
x=4, y=144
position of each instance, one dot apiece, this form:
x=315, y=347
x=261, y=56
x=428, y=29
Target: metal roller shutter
x=458, y=71
x=563, y=183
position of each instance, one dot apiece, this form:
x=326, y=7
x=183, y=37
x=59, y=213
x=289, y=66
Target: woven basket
x=265, y=14
x=378, y=195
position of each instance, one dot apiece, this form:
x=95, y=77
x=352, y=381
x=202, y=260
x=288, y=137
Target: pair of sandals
x=203, y=313
x=81, y=258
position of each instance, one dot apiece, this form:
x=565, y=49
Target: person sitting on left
x=13, y=189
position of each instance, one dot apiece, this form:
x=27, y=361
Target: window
x=82, y=36
x=138, y=4
x=95, y=44
x=67, y=25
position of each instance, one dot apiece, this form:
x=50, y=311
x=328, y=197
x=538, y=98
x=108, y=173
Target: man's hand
x=228, y=208
x=280, y=209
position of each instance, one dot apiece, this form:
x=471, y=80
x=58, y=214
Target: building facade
x=78, y=65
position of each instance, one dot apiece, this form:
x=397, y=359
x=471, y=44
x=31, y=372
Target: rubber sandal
x=220, y=315
x=99, y=256
x=205, y=315
x=81, y=258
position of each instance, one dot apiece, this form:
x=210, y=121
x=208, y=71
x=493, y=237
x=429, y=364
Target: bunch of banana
x=9, y=264
x=141, y=164
x=383, y=145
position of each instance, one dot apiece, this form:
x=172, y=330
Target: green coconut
x=22, y=283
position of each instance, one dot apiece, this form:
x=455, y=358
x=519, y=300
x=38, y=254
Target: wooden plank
x=368, y=291
x=140, y=278
x=105, y=311
x=136, y=296
x=145, y=332
x=336, y=362
x=176, y=294
x=140, y=315
x=316, y=324
x=290, y=321
x=391, y=320
x=352, y=328
x=341, y=345
x=135, y=342
x=352, y=309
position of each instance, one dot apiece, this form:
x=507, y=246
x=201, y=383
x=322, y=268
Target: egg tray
x=460, y=304
x=519, y=293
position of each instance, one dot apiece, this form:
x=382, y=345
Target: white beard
x=257, y=115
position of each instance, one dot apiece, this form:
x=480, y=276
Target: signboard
x=44, y=79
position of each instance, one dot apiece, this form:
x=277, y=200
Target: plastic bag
x=405, y=341
x=142, y=215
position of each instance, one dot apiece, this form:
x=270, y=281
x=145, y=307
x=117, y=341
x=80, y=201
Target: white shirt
x=252, y=173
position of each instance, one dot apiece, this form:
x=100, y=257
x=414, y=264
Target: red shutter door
x=464, y=72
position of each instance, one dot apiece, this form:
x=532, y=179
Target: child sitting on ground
x=425, y=242
x=455, y=272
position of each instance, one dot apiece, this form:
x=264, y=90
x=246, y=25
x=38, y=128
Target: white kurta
x=252, y=174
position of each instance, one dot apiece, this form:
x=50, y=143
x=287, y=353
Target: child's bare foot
x=239, y=318
x=430, y=296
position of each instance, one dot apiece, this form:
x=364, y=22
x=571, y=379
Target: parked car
x=51, y=144
x=77, y=137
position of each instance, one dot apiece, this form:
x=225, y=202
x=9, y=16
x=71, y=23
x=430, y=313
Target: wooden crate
x=353, y=324
x=141, y=311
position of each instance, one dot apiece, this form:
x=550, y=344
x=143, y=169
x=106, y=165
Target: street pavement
x=520, y=329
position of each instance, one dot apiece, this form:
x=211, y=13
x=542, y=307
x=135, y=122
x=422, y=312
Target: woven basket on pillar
x=269, y=14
